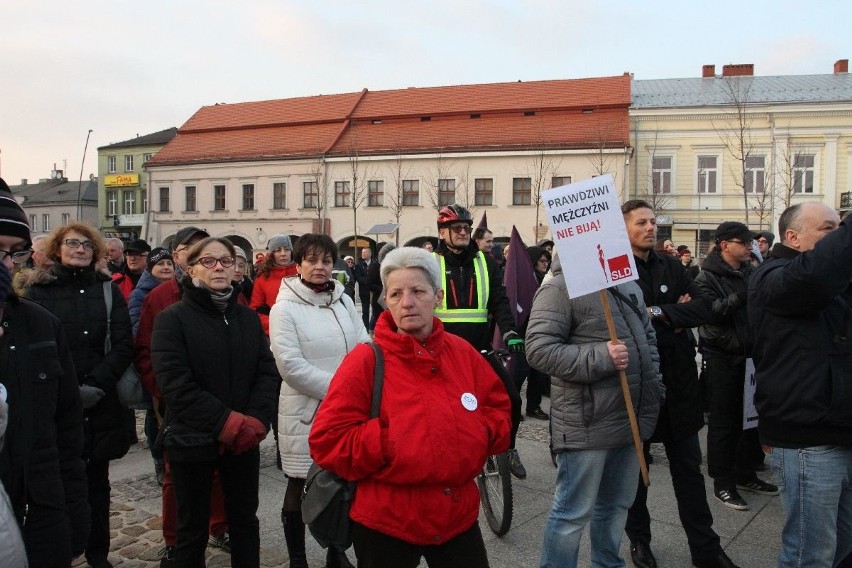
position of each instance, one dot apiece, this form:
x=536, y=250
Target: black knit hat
x=13, y=220
x=156, y=256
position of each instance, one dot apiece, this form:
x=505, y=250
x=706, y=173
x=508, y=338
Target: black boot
x=294, y=535
x=335, y=558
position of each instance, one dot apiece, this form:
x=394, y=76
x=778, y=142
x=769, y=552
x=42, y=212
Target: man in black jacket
x=725, y=344
x=674, y=306
x=362, y=277
x=41, y=464
x=471, y=294
x=800, y=308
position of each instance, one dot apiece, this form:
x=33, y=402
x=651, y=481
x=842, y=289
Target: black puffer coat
x=663, y=281
x=76, y=297
x=207, y=364
x=728, y=333
x=41, y=462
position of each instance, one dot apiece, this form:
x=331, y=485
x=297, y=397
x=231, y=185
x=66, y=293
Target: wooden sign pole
x=625, y=390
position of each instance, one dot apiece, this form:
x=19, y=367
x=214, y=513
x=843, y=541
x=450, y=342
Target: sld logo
x=619, y=267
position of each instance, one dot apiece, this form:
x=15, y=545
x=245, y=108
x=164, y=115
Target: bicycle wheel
x=495, y=490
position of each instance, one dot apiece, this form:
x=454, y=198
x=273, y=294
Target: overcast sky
x=126, y=68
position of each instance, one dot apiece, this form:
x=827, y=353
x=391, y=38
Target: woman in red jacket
x=443, y=412
x=277, y=265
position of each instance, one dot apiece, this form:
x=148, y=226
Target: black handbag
x=327, y=497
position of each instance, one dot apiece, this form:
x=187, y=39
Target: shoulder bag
x=129, y=385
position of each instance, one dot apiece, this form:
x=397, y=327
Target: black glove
x=90, y=395
x=514, y=342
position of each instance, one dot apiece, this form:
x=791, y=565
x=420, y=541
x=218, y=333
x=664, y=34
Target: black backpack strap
x=630, y=303
x=378, y=380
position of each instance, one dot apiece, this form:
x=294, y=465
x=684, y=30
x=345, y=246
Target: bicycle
x=495, y=479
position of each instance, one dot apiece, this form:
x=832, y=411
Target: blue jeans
x=596, y=485
x=815, y=485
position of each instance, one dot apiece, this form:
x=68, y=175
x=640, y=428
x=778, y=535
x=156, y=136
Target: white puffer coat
x=309, y=333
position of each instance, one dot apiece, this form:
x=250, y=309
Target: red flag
x=520, y=279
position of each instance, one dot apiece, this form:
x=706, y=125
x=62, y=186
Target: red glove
x=245, y=440
x=257, y=427
x=232, y=427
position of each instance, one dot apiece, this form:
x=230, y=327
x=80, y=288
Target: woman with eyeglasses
x=219, y=381
x=312, y=326
x=96, y=321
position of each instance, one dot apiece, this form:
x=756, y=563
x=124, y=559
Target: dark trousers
x=730, y=449
x=688, y=482
x=365, y=308
x=47, y=536
x=520, y=371
x=240, y=476
x=97, y=476
x=514, y=396
x=378, y=550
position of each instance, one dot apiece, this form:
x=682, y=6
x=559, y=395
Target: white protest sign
x=589, y=234
x=750, y=385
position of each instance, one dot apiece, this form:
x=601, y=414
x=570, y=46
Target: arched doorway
x=242, y=243
x=420, y=241
x=347, y=246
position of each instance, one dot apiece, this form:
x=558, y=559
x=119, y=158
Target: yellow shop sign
x=114, y=180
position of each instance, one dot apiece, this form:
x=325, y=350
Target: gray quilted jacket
x=566, y=338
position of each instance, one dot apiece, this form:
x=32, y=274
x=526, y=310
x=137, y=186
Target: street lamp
x=80, y=182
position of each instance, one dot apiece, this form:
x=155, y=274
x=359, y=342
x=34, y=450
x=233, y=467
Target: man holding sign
x=570, y=339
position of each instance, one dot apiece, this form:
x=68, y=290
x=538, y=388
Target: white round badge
x=664, y=288
x=469, y=401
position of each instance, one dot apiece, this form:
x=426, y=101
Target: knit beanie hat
x=156, y=256
x=279, y=241
x=13, y=220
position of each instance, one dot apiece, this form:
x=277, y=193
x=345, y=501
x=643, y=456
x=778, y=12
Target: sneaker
x=167, y=557
x=515, y=465
x=537, y=412
x=640, y=553
x=731, y=499
x=758, y=486
x=160, y=471
x=719, y=560
x=222, y=541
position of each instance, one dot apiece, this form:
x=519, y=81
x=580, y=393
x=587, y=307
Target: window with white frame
x=164, y=200
x=661, y=174
x=341, y=194
x=129, y=202
x=218, y=197
x=559, y=181
x=707, y=174
x=803, y=173
x=410, y=192
x=279, y=195
x=446, y=192
x=146, y=157
x=483, y=191
x=33, y=225
x=375, y=193
x=310, y=194
x=45, y=222
x=248, y=197
x=143, y=201
x=190, y=203
x=755, y=174
x=66, y=218
x=128, y=163
x=111, y=167
x=521, y=191
x=112, y=202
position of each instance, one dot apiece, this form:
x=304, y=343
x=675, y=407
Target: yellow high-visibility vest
x=466, y=315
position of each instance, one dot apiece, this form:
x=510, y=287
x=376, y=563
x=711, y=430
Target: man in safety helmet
x=472, y=292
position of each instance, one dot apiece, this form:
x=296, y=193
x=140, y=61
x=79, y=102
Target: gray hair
x=412, y=257
x=115, y=241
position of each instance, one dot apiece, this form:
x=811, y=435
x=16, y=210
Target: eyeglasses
x=460, y=228
x=210, y=262
x=18, y=256
x=76, y=243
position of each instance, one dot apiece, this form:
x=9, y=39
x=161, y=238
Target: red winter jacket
x=415, y=465
x=265, y=291
x=124, y=283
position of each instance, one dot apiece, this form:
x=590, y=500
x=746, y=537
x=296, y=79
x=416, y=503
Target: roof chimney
x=738, y=70
x=24, y=181
x=708, y=71
x=841, y=66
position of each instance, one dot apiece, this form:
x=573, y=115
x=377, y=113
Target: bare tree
x=438, y=179
x=317, y=177
x=735, y=134
x=358, y=183
x=541, y=172
x=400, y=171
x=786, y=173
x=601, y=158
x=657, y=186
x=466, y=189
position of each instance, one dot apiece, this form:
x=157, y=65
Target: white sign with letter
x=589, y=234
x=749, y=411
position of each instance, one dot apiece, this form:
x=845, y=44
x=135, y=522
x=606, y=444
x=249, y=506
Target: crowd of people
x=228, y=355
